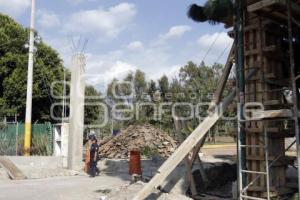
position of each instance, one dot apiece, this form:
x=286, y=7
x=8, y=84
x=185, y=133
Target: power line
x=223, y=52
x=212, y=44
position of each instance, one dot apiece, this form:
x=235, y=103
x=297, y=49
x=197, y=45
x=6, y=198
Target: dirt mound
x=145, y=138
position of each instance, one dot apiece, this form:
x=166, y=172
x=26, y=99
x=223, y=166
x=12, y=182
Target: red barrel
x=135, y=166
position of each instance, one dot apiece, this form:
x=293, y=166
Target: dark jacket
x=94, y=152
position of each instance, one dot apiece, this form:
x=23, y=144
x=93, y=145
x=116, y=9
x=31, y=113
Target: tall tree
x=94, y=112
x=13, y=72
x=140, y=84
x=163, y=84
x=152, y=88
x=48, y=69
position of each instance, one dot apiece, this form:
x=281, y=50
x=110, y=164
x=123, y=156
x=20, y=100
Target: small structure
x=61, y=136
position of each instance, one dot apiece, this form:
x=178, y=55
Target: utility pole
x=27, y=139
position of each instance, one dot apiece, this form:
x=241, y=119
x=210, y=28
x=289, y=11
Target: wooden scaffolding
x=271, y=40
x=269, y=43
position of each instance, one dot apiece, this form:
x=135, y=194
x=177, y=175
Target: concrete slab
x=13, y=171
x=3, y=174
x=38, y=167
x=50, y=162
x=60, y=188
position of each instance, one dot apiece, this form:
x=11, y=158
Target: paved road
x=62, y=188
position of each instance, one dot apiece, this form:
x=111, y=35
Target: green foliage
x=48, y=68
x=213, y=11
x=140, y=84
x=13, y=72
x=217, y=10
x=152, y=88
x=93, y=112
x=149, y=152
x=163, y=84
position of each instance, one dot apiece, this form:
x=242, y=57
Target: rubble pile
x=145, y=138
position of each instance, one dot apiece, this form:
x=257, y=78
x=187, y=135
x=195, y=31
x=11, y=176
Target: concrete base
x=37, y=167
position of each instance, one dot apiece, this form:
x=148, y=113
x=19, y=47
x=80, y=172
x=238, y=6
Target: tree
x=199, y=81
x=93, y=112
x=13, y=72
x=163, y=84
x=140, y=84
x=48, y=69
x=152, y=88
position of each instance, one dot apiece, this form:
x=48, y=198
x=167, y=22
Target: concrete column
x=75, y=144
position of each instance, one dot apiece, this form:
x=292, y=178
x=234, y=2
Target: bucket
x=135, y=166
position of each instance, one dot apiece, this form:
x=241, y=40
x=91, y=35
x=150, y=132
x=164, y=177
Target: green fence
x=12, y=139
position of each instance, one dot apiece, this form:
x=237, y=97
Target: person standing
x=94, y=157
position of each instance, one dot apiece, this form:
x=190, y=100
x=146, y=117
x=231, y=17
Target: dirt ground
x=219, y=149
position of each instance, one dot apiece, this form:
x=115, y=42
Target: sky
x=154, y=36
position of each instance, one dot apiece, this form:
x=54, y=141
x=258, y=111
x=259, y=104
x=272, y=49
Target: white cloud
x=214, y=46
x=119, y=69
x=176, y=32
x=219, y=40
x=170, y=71
x=76, y=2
x=154, y=61
x=100, y=72
x=136, y=45
x=105, y=23
x=14, y=7
x=48, y=19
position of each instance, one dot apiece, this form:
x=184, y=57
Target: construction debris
x=145, y=138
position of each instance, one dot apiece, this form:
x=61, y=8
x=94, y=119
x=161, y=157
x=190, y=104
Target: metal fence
x=12, y=139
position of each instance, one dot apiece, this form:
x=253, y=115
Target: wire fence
x=12, y=139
